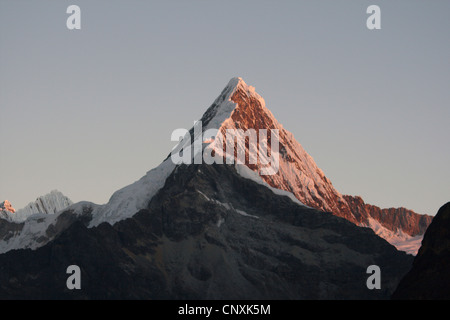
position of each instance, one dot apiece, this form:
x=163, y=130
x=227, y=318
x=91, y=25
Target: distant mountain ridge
x=393, y=219
x=49, y=203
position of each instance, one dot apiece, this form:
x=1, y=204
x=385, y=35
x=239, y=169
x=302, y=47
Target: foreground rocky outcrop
x=429, y=277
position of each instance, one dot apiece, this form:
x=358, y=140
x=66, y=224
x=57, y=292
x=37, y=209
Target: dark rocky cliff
x=429, y=277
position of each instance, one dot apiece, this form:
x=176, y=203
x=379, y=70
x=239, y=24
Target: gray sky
x=89, y=111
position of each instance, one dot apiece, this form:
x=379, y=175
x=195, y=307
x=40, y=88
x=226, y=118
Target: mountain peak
x=227, y=104
x=241, y=107
x=238, y=84
x=236, y=81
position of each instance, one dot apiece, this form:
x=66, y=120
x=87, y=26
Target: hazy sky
x=90, y=111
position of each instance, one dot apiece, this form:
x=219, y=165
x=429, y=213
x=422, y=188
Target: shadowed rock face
x=8, y=229
x=208, y=234
x=429, y=277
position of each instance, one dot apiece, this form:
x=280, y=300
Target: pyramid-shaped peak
x=240, y=109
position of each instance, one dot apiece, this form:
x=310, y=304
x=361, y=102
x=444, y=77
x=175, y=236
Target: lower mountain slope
x=209, y=233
